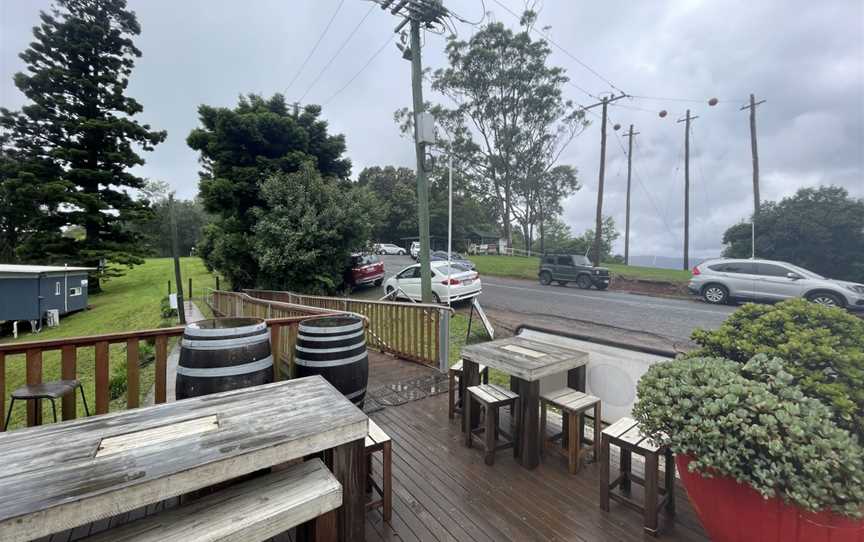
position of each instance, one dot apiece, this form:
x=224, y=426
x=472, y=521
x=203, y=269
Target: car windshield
x=581, y=260
x=804, y=272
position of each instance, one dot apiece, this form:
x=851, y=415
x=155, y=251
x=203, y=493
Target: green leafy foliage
x=189, y=215
x=752, y=422
x=817, y=228
x=822, y=347
x=76, y=138
x=304, y=240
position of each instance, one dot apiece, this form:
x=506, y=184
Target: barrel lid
x=219, y=327
x=326, y=325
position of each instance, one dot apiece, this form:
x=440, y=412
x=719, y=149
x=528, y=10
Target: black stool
x=492, y=398
x=49, y=390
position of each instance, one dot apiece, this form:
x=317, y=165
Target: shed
x=28, y=292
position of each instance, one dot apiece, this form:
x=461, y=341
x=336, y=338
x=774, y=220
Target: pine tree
x=79, y=125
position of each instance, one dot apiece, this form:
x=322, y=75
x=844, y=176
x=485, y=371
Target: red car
x=365, y=269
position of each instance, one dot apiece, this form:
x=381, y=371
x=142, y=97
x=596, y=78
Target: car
x=389, y=249
x=722, y=280
x=449, y=283
x=365, y=269
x=414, y=250
x=455, y=258
x=566, y=268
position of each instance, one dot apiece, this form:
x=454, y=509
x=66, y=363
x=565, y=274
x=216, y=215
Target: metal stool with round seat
x=48, y=390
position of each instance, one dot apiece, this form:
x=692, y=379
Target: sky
x=805, y=58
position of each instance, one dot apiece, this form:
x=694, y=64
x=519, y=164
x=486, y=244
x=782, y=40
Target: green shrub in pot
x=823, y=349
x=751, y=422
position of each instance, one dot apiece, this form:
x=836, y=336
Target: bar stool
x=455, y=375
x=48, y=390
x=377, y=440
x=492, y=398
x=625, y=434
x=574, y=405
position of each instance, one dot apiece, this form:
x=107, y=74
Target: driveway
x=670, y=318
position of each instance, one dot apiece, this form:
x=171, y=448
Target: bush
x=752, y=423
x=823, y=348
x=118, y=385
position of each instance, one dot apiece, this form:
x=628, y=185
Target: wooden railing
x=283, y=332
x=414, y=331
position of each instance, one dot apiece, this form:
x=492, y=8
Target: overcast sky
x=805, y=58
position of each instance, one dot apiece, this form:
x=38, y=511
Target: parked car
x=455, y=258
x=449, y=283
x=365, y=269
x=722, y=280
x=390, y=249
x=414, y=250
x=565, y=268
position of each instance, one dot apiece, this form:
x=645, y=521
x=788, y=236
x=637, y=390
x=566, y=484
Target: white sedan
x=387, y=248
x=449, y=283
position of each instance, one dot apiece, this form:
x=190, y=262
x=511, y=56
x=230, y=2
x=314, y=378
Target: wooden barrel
x=335, y=348
x=223, y=354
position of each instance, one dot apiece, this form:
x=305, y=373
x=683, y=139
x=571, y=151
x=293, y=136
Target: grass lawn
x=127, y=303
x=522, y=267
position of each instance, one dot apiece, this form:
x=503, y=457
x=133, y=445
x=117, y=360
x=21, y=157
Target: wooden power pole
x=755, y=152
x=686, y=120
x=629, y=136
x=181, y=310
x=598, y=227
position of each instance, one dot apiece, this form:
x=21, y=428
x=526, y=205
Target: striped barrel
x=223, y=354
x=335, y=348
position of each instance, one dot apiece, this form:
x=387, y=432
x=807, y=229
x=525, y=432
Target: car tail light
x=451, y=282
x=696, y=271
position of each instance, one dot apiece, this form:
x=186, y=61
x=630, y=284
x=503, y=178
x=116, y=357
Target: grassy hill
x=127, y=303
x=523, y=267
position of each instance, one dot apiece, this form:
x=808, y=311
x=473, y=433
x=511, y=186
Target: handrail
x=253, y=291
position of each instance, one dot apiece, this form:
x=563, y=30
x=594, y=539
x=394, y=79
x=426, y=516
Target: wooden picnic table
x=526, y=361
x=57, y=477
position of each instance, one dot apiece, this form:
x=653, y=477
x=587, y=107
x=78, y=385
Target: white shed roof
x=38, y=269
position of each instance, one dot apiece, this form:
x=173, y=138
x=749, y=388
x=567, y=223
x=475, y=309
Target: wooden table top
x=59, y=476
x=524, y=358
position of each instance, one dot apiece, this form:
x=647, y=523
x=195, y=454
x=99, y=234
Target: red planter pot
x=733, y=512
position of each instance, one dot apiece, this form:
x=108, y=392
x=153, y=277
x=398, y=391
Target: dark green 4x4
x=564, y=268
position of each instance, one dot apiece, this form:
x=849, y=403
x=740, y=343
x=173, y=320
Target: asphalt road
x=671, y=318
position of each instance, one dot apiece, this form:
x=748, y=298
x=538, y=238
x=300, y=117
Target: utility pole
x=629, y=136
x=755, y=152
x=181, y=310
x=598, y=233
x=686, y=120
x=417, y=12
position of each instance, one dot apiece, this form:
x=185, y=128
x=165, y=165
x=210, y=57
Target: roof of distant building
x=39, y=269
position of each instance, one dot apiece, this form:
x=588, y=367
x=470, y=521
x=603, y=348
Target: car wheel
x=562, y=283
x=715, y=294
x=436, y=298
x=545, y=278
x=378, y=282
x=583, y=282
x=826, y=299
x=389, y=291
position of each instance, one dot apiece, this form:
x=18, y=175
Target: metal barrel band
x=224, y=343
x=348, y=348
x=304, y=337
x=233, y=370
x=330, y=363
x=330, y=330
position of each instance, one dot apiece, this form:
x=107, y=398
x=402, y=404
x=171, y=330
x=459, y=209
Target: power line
x=315, y=47
x=693, y=100
x=338, y=51
x=366, y=65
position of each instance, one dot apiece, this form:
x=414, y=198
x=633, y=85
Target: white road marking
x=604, y=300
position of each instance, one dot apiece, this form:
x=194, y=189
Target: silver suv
x=721, y=280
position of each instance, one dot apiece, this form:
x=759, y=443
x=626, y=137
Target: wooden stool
x=378, y=440
x=492, y=398
x=455, y=374
x=626, y=435
x=49, y=390
x=573, y=404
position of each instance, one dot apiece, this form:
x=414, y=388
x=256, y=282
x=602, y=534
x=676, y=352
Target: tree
x=156, y=231
x=395, y=189
x=817, y=228
x=304, y=238
x=239, y=147
x=510, y=123
x=78, y=131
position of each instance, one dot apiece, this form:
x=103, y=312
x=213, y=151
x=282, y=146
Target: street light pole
x=449, y=217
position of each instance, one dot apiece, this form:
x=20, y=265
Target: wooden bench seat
x=573, y=405
x=491, y=398
x=254, y=510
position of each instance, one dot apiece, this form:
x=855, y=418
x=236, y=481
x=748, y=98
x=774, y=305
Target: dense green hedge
x=823, y=348
x=752, y=423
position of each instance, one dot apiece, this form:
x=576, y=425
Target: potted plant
x=760, y=459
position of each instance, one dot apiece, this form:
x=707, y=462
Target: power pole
x=686, y=120
x=755, y=152
x=598, y=228
x=181, y=310
x=417, y=12
x=629, y=136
